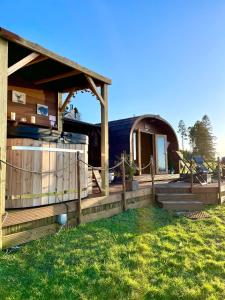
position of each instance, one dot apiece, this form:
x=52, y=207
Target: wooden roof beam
x=68, y=99
x=57, y=77
x=94, y=89
x=37, y=60
x=22, y=63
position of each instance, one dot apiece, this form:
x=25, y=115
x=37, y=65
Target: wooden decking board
x=29, y=235
x=161, y=177
x=32, y=214
x=182, y=205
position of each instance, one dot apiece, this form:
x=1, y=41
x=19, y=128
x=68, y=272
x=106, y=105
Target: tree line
x=200, y=137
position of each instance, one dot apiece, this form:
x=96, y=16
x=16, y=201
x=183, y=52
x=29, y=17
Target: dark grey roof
x=125, y=125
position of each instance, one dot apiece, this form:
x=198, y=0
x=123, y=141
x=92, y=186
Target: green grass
x=140, y=254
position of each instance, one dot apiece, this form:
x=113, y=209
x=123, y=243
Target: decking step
x=182, y=205
x=172, y=190
x=177, y=197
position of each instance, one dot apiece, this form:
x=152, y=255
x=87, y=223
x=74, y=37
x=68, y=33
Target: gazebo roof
x=47, y=69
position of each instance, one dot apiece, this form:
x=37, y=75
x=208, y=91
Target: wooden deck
x=23, y=225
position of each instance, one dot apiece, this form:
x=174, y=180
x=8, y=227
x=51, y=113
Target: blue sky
x=164, y=57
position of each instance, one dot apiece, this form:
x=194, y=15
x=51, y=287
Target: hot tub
x=58, y=181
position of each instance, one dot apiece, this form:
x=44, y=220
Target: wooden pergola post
x=104, y=141
x=3, y=125
x=219, y=180
x=60, y=113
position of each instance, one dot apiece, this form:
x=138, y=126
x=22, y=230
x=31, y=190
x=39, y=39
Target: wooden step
x=177, y=197
x=172, y=190
x=182, y=205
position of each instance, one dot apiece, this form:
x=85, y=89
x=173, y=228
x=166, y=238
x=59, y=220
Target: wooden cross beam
x=37, y=60
x=57, y=77
x=95, y=90
x=68, y=99
x=22, y=63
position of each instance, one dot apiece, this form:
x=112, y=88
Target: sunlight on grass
x=140, y=254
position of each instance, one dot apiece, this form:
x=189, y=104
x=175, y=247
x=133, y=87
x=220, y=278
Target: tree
x=201, y=138
x=183, y=132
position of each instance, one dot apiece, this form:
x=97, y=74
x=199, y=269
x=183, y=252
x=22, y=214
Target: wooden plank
x=45, y=177
x=124, y=203
x=23, y=62
x=79, y=210
x=56, y=77
x=90, y=182
x=36, y=48
x=17, y=174
x=101, y=215
x=37, y=60
x=82, y=169
x=95, y=90
x=71, y=173
x=9, y=171
x=37, y=179
x=3, y=124
x=100, y=200
x=163, y=177
x=139, y=151
x=105, y=141
x=59, y=113
x=52, y=176
x=32, y=214
x=85, y=171
x=27, y=164
x=59, y=174
x=66, y=173
x=29, y=235
x=98, y=179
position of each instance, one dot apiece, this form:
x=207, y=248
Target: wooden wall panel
x=52, y=176
x=33, y=97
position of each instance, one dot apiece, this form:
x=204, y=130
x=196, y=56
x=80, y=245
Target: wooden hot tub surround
x=55, y=179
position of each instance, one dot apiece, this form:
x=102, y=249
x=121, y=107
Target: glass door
x=161, y=154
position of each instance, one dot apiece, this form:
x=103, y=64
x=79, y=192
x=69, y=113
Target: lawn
x=140, y=254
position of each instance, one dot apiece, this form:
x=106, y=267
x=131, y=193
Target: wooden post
x=219, y=180
x=104, y=141
x=3, y=125
x=152, y=170
x=79, y=189
x=191, y=177
x=60, y=113
x=124, y=183
x=139, y=151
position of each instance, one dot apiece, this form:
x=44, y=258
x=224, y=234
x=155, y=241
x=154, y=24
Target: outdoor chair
x=195, y=169
x=202, y=165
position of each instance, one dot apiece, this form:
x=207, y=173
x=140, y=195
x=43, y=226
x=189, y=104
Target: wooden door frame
x=156, y=154
x=139, y=150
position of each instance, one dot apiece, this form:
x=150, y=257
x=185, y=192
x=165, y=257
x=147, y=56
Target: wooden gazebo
x=43, y=76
